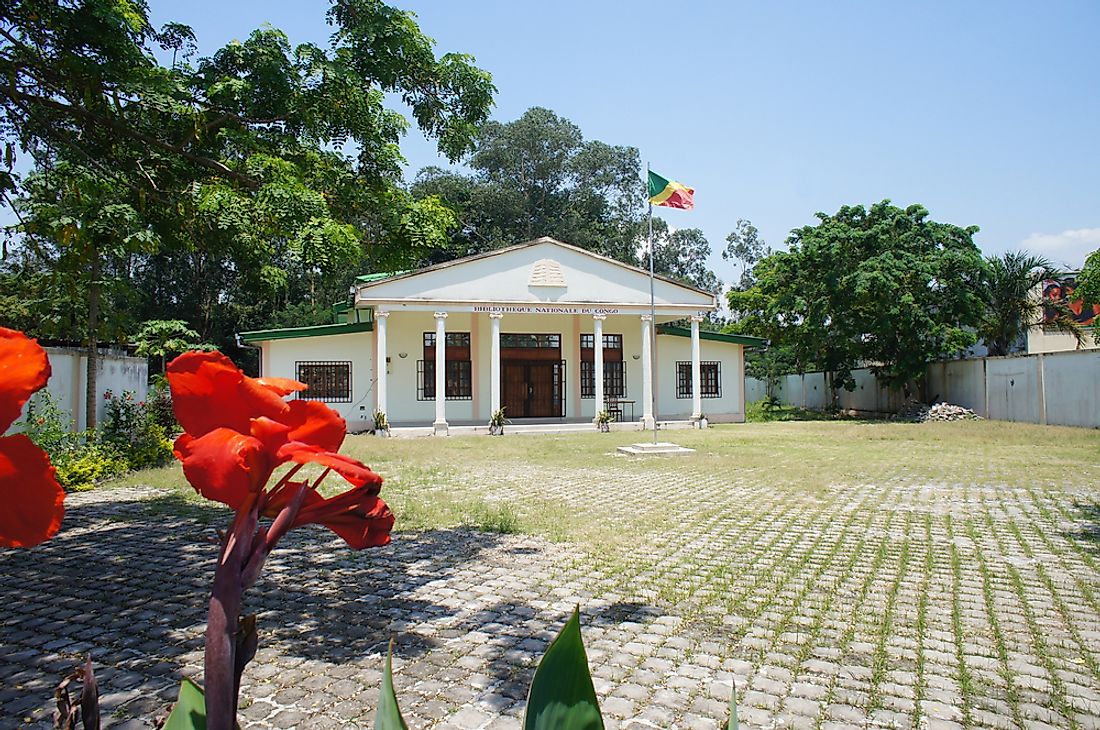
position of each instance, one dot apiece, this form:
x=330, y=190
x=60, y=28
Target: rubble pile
x=921, y=413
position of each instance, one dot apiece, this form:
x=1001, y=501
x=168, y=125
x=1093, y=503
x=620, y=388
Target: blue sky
x=987, y=113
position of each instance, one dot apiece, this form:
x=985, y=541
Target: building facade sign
x=543, y=309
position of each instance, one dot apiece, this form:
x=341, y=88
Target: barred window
x=328, y=381
x=614, y=379
x=459, y=380
x=710, y=379
x=614, y=369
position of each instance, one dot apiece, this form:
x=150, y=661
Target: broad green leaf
x=562, y=696
x=733, y=723
x=389, y=714
x=190, y=710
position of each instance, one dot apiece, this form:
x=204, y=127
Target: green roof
x=371, y=278
x=321, y=330
x=668, y=329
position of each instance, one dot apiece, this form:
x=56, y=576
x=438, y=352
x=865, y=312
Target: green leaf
x=190, y=710
x=733, y=723
x=562, y=696
x=389, y=714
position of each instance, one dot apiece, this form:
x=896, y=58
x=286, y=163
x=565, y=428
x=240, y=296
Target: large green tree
x=266, y=172
x=684, y=254
x=538, y=176
x=86, y=234
x=884, y=286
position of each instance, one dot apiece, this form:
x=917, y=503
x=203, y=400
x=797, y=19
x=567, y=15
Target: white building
x=519, y=325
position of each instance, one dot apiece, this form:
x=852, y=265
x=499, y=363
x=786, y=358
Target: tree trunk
x=90, y=400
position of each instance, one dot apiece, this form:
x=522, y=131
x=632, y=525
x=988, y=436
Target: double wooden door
x=532, y=388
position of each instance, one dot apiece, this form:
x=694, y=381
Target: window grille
x=327, y=381
x=459, y=380
x=614, y=379
x=710, y=379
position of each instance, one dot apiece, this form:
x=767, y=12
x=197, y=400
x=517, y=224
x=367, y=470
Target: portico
x=544, y=330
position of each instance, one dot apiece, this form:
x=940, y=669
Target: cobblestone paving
x=873, y=605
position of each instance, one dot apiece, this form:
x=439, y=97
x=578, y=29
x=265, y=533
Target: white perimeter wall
x=115, y=372
x=1061, y=388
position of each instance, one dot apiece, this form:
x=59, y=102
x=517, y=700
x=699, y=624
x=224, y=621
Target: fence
x=116, y=372
x=1060, y=388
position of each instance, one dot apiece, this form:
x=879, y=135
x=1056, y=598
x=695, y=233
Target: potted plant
x=603, y=421
x=702, y=420
x=496, y=422
x=381, y=424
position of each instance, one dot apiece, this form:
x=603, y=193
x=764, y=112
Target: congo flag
x=669, y=193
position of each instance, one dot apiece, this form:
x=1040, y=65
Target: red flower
x=239, y=430
x=31, y=500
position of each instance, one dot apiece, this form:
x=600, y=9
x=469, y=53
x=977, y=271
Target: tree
x=683, y=254
x=886, y=286
x=744, y=246
x=160, y=338
x=538, y=176
x=267, y=172
x=1088, y=281
x=74, y=220
x=1012, y=305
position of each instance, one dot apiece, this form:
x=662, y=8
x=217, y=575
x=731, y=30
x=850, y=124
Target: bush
x=130, y=428
x=128, y=439
x=82, y=469
x=158, y=406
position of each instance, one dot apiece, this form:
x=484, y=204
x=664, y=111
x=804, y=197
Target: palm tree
x=1013, y=303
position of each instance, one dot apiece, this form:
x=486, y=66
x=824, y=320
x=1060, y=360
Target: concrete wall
x=1060, y=388
x=116, y=372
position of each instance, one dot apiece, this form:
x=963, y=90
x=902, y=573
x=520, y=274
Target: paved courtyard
x=875, y=597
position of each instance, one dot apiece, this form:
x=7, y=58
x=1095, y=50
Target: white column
x=696, y=372
x=380, y=358
x=440, y=373
x=597, y=344
x=494, y=364
x=647, y=373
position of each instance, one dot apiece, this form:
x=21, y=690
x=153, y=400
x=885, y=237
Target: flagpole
x=652, y=319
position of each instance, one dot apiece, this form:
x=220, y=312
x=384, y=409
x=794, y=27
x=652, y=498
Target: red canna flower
x=239, y=430
x=32, y=503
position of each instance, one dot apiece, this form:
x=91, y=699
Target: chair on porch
x=614, y=407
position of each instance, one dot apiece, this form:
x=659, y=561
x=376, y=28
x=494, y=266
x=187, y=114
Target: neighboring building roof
x=668, y=329
x=321, y=330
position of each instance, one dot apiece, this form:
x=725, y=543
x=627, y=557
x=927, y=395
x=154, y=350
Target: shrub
x=94, y=462
x=130, y=428
x=158, y=406
x=128, y=439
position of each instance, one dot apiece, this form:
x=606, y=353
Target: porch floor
x=406, y=429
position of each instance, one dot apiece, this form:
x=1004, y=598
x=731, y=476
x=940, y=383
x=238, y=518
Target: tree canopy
x=883, y=286
x=260, y=177
x=538, y=176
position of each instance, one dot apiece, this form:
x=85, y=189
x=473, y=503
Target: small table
x=615, y=407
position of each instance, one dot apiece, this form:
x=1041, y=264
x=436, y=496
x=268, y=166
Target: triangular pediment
x=544, y=271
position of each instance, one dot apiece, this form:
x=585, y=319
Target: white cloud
x=1068, y=248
